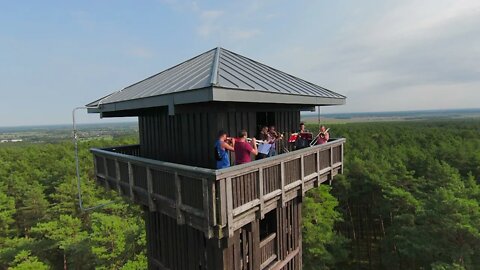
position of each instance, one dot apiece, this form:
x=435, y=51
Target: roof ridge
x=286, y=74
x=214, y=75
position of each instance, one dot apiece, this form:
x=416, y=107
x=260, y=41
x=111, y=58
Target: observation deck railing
x=217, y=202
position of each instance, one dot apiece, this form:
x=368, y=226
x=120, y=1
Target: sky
x=383, y=55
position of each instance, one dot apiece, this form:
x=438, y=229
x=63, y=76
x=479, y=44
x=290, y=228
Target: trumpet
x=257, y=141
x=230, y=140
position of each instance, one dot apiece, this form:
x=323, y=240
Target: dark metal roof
x=217, y=75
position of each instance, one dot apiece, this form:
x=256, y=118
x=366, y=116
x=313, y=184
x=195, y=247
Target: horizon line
x=313, y=112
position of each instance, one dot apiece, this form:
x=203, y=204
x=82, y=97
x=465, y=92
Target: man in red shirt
x=243, y=149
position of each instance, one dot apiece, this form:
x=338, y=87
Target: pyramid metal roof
x=217, y=75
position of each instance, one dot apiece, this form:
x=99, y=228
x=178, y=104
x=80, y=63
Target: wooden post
x=178, y=200
x=302, y=174
x=341, y=157
x=317, y=183
x=117, y=172
x=151, y=204
x=222, y=201
x=131, y=181
x=229, y=198
x=107, y=176
x=260, y=191
x=331, y=166
x=206, y=207
x=282, y=181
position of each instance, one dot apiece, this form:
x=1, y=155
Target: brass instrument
x=320, y=135
x=257, y=141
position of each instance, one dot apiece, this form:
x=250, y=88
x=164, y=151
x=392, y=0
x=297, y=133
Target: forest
x=409, y=199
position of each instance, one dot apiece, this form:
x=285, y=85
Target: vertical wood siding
x=188, y=137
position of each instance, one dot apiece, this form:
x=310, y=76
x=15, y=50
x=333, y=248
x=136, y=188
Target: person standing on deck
x=302, y=141
x=263, y=136
x=275, y=136
x=221, y=150
x=324, y=136
x=243, y=149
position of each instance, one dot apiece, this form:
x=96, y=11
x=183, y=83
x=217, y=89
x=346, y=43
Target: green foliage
x=322, y=246
x=409, y=197
x=41, y=226
x=25, y=261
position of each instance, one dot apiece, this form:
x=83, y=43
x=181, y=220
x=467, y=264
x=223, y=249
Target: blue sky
x=383, y=55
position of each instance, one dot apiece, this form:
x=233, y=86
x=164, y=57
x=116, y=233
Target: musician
x=221, y=150
x=274, y=136
x=324, y=136
x=243, y=149
x=302, y=141
x=302, y=128
x=263, y=135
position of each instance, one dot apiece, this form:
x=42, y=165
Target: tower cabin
x=197, y=217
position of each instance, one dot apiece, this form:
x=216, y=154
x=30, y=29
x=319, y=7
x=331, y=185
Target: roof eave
x=215, y=94
x=185, y=97
x=252, y=96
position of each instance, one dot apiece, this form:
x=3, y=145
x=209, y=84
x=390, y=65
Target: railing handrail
x=212, y=173
x=113, y=148
x=161, y=165
x=268, y=239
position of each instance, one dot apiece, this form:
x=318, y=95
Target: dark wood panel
x=245, y=189
x=292, y=171
x=324, y=159
x=163, y=183
x=310, y=164
x=271, y=179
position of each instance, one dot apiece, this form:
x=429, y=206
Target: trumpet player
x=324, y=136
x=243, y=149
x=222, y=147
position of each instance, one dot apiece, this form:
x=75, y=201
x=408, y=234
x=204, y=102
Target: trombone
x=319, y=135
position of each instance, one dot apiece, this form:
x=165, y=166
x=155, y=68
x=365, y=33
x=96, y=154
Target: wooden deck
x=217, y=202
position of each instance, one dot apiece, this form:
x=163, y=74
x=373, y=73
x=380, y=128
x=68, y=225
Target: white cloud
x=415, y=54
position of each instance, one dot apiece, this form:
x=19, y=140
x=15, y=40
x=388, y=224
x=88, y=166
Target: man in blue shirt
x=221, y=150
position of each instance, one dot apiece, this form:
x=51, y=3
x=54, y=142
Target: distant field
x=45, y=134
x=339, y=118
x=55, y=133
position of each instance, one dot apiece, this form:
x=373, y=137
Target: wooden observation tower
x=242, y=217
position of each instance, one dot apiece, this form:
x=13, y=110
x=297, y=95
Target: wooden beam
x=302, y=174
x=131, y=181
x=282, y=182
x=287, y=259
x=245, y=207
x=206, y=208
x=229, y=197
x=260, y=191
x=117, y=173
x=341, y=157
x=331, y=165
x=178, y=200
x=151, y=204
x=107, y=183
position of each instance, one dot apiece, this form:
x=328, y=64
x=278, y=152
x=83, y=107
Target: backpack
x=218, y=157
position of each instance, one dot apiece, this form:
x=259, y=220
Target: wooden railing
x=268, y=250
x=217, y=202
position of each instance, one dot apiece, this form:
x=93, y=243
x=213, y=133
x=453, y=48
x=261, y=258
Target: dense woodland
x=409, y=199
